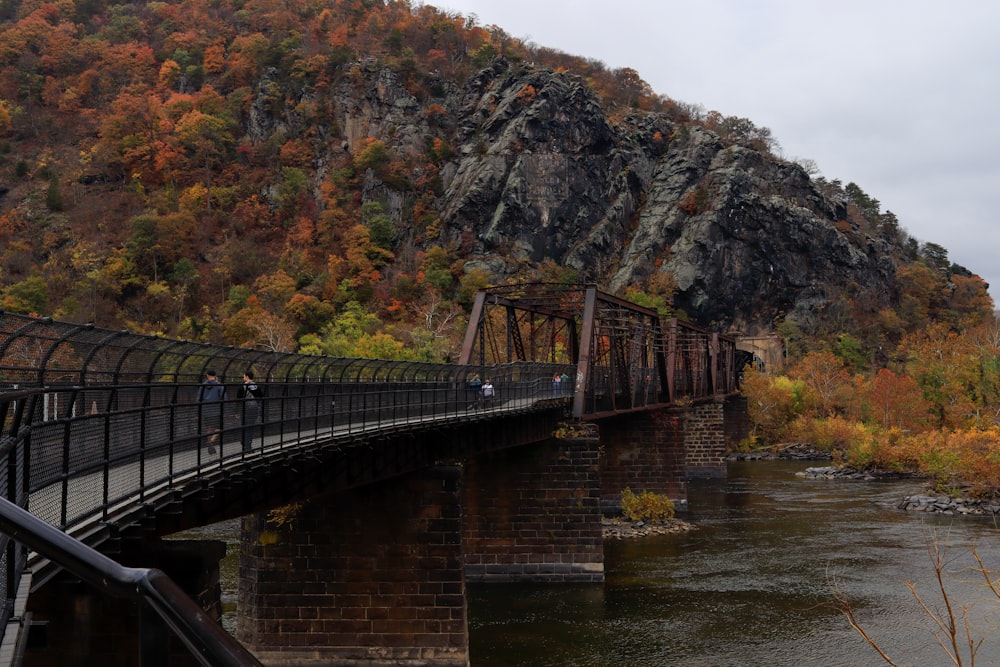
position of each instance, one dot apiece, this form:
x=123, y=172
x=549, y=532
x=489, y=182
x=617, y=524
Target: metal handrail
x=206, y=639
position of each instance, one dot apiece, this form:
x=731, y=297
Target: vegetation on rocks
x=340, y=177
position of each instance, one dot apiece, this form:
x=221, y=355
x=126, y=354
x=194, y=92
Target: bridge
x=342, y=469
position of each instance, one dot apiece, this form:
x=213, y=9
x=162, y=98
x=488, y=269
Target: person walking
x=556, y=383
x=475, y=390
x=252, y=399
x=211, y=395
x=488, y=393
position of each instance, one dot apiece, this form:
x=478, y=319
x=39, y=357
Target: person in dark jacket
x=252, y=399
x=475, y=391
x=211, y=395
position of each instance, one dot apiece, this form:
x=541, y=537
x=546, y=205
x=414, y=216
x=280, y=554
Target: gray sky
x=898, y=96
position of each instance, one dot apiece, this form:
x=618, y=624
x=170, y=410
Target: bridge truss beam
x=621, y=356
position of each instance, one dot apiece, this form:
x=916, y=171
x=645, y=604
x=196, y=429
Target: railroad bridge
x=370, y=491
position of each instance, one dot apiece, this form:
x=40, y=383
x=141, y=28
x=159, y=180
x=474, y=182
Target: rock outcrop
x=541, y=172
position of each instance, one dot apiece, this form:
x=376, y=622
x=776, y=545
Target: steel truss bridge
x=98, y=426
x=625, y=357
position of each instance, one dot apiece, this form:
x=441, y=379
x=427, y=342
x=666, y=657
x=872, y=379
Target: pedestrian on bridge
x=211, y=395
x=488, y=393
x=252, y=398
x=475, y=391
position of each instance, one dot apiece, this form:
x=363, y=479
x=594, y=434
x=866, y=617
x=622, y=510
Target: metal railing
x=82, y=462
x=205, y=639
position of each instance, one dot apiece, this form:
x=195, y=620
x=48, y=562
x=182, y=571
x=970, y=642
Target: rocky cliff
x=541, y=172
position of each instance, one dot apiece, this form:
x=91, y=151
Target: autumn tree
x=826, y=380
x=772, y=402
x=897, y=401
x=206, y=142
x=939, y=362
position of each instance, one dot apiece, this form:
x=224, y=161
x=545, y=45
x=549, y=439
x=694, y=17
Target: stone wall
x=705, y=440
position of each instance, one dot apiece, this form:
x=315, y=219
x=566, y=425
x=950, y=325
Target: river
x=750, y=586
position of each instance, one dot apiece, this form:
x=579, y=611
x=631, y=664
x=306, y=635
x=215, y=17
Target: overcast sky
x=902, y=97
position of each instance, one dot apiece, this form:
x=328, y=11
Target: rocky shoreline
x=847, y=472
x=790, y=452
x=620, y=529
x=930, y=502
x=947, y=505
x=923, y=502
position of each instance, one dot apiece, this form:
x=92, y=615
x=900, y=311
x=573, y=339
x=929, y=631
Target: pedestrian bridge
x=103, y=433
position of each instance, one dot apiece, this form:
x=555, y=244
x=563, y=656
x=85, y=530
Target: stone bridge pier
x=376, y=575
x=370, y=576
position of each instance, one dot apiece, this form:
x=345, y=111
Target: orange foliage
x=897, y=401
x=826, y=379
x=527, y=94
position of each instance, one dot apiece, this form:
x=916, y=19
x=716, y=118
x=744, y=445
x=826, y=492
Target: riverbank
x=930, y=502
x=786, y=452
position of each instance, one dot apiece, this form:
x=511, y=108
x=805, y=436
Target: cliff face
x=542, y=173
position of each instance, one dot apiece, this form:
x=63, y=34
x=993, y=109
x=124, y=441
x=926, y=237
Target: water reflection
x=752, y=585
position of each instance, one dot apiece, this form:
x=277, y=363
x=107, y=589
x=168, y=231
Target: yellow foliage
x=285, y=515
x=647, y=506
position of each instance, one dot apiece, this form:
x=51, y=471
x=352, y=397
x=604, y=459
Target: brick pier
x=533, y=513
x=371, y=576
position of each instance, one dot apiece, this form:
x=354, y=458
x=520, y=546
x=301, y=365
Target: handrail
x=206, y=639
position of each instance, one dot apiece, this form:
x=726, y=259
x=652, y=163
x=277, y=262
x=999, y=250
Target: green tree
x=293, y=187
x=144, y=244
x=935, y=256
x=184, y=276
x=381, y=231
x=340, y=338
x=28, y=297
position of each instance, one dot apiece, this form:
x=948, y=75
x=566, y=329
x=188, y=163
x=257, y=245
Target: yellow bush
x=647, y=506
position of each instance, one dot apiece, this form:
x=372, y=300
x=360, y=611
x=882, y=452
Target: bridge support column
x=367, y=576
x=643, y=451
x=533, y=513
x=705, y=439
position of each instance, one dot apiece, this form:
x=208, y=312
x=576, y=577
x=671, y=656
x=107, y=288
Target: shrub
x=647, y=506
x=829, y=434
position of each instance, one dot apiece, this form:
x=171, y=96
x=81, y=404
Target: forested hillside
x=341, y=176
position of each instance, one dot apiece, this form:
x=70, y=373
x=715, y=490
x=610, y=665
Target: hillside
x=341, y=176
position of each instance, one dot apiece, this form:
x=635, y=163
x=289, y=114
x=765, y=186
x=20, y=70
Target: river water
x=752, y=585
